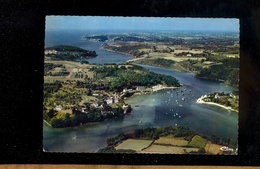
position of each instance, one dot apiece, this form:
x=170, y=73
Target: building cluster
x=48, y=52
x=103, y=105
x=209, y=97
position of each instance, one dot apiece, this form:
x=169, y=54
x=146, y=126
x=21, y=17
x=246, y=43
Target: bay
x=156, y=109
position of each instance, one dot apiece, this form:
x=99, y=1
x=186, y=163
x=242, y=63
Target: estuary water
x=175, y=107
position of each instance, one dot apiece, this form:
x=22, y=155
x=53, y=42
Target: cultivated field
x=191, y=51
x=72, y=67
x=198, y=141
x=211, y=148
x=171, y=141
x=160, y=149
x=132, y=144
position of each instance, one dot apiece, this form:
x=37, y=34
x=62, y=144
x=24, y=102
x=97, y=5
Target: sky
x=140, y=23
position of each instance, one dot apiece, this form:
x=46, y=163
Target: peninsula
x=65, y=52
x=213, y=57
x=76, y=93
x=227, y=101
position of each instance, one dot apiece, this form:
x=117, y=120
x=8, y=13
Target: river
x=156, y=109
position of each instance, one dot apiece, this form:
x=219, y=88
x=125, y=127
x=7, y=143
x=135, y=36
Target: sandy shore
x=162, y=88
x=199, y=100
x=47, y=123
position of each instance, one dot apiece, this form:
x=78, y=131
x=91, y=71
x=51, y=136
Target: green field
x=160, y=149
x=132, y=144
x=197, y=141
x=171, y=141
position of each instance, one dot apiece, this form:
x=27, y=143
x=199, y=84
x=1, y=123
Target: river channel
x=156, y=109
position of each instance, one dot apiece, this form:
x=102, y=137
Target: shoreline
x=102, y=48
x=47, y=123
x=162, y=88
x=199, y=100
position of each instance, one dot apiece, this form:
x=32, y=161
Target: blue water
x=157, y=109
x=73, y=38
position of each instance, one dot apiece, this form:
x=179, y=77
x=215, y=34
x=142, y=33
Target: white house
x=140, y=88
x=217, y=96
x=58, y=108
x=84, y=110
x=157, y=87
x=116, y=98
x=109, y=100
x=125, y=106
x=50, y=52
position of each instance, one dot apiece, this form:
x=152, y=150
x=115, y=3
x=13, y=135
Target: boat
x=180, y=105
x=183, y=98
x=140, y=121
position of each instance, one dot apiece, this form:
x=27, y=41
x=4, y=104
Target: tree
x=51, y=113
x=202, y=151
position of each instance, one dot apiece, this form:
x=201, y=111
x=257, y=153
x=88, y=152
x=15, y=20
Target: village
x=228, y=101
x=105, y=104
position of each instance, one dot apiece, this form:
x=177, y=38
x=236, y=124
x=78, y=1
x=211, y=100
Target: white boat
x=180, y=105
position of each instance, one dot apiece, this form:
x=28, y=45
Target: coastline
x=199, y=100
x=162, y=88
x=47, y=123
x=102, y=48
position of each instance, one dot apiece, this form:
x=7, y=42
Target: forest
x=121, y=77
x=227, y=71
x=77, y=117
x=64, y=52
x=160, y=62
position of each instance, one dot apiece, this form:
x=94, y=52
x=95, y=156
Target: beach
x=200, y=100
x=162, y=88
